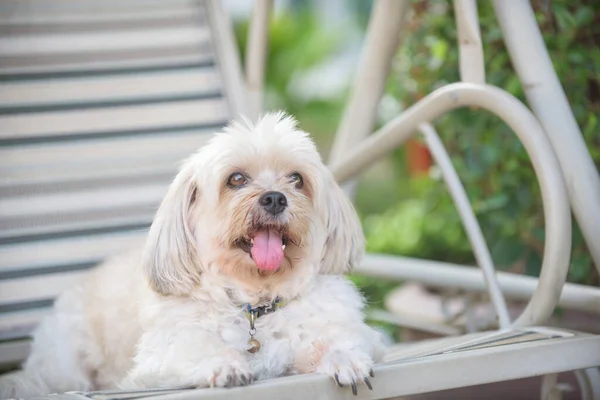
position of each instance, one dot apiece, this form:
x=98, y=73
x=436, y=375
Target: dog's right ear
x=170, y=257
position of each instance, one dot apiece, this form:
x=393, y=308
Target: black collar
x=268, y=308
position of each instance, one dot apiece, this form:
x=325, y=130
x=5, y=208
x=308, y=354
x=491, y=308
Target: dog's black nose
x=273, y=202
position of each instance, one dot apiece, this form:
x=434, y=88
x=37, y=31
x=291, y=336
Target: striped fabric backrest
x=99, y=102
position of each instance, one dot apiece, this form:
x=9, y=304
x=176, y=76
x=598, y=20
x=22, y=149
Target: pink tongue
x=266, y=250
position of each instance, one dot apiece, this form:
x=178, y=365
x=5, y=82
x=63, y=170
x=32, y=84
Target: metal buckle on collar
x=254, y=313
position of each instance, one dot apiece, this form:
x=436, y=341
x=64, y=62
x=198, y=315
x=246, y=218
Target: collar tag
x=254, y=313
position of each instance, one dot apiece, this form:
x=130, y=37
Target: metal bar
x=556, y=203
x=446, y=275
x=461, y=201
x=228, y=58
x=549, y=103
x=256, y=55
x=414, y=322
x=550, y=391
x=381, y=42
x=472, y=67
x=589, y=383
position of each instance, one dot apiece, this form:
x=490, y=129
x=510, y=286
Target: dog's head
x=253, y=204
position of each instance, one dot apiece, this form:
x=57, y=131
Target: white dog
x=240, y=279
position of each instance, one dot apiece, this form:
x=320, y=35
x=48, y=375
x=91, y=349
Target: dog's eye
x=297, y=180
x=237, y=179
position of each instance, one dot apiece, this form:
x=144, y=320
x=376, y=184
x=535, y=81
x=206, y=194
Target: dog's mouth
x=266, y=246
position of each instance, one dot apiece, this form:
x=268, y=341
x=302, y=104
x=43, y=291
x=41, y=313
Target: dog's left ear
x=345, y=244
x=170, y=257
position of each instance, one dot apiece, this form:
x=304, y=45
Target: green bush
x=490, y=160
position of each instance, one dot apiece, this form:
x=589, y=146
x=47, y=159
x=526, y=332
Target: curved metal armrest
x=554, y=192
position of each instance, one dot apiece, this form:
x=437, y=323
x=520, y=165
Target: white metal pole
x=472, y=67
x=228, y=58
x=443, y=275
x=461, y=201
x=549, y=103
x=256, y=56
x=381, y=43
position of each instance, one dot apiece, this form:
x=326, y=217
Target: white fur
x=170, y=315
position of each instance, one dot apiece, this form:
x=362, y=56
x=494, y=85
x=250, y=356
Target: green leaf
x=581, y=268
x=490, y=154
x=576, y=57
x=539, y=234
x=534, y=264
x=577, y=236
x=564, y=18
x=493, y=203
x=583, y=16
x=590, y=126
x=439, y=50
x=507, y=251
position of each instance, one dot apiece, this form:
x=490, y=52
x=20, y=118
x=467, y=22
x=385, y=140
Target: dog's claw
x=371, y=373
x=244, y=380
x=354, y=391
x=368, y=383
x=229, y=382
x=337, y=380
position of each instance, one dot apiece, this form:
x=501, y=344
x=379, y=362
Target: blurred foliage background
x=408, y=213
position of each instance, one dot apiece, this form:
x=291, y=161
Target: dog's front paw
x=226, y=373
x=222, y=371
x=348, y=367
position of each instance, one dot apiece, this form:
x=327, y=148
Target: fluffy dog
x=252, y=221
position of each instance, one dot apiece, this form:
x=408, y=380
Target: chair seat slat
x=67, y=251
x=79, y=122
x=109, y=88
x=38, y=288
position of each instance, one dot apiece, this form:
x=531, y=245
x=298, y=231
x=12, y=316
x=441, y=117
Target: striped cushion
x=99, y=102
